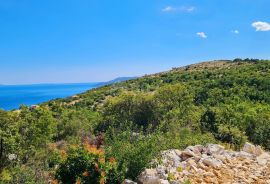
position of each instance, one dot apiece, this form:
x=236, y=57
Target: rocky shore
x=208, y=164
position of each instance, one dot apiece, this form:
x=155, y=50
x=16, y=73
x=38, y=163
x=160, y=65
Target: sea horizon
x=13, y=96
x=52, y=83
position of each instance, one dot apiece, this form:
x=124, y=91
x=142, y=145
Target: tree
x=9, y=139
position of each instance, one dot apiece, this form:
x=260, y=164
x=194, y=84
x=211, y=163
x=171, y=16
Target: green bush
x=88, y=164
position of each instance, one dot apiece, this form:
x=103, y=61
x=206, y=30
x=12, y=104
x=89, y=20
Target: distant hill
x=116, y=80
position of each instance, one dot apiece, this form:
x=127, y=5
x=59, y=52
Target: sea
x=12, y=96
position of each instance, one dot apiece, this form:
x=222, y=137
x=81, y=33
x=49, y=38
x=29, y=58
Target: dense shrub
x=88, y=164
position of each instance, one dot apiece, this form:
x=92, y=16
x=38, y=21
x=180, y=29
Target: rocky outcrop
x=209, y=164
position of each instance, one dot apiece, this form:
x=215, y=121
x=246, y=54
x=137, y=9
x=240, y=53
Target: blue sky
x=57, y=41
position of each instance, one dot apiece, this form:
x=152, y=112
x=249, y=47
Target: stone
x=204, y=156
x=178, y=152
x=194, y=168
x=214, y=149
x=212, y=162
x=171, y=156
x=258, y=151
x=244, y=154
x=187, y=154
x=197, y=150
x=208, y=179
x=219, y=157
x=210, y=174
x=149, y=176
x=209, y=164
x=164, y=182
x=250, y=148
x=129, y=182
x=261, y=161
x=264, y=156
x=201, y=165
x=191, y=162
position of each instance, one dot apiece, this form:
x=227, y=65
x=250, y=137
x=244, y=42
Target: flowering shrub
x=88, y=164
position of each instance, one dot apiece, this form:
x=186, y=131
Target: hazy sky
x=97, y=40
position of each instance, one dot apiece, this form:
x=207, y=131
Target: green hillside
x=112, y=132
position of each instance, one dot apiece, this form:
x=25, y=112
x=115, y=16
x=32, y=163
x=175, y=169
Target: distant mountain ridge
x=116, y=80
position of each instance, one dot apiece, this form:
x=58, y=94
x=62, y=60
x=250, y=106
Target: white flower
x=12, y=157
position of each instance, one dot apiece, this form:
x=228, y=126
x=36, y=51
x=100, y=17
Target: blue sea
x=12, y=96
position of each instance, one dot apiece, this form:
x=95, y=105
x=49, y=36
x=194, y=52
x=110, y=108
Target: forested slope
x=112, y=132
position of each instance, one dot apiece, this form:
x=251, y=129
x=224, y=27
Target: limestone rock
x=250, y=148
x=209, y=164
x=129, y=182
x=149, y=176
x=212, y=162
x=214, y=149
x=164, y=182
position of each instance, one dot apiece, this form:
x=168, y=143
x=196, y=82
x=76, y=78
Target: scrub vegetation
x=112, y=132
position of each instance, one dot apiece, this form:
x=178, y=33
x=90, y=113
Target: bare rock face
x=209, y=164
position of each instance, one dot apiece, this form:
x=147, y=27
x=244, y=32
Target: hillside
x=201, y=74
x=112, y=132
